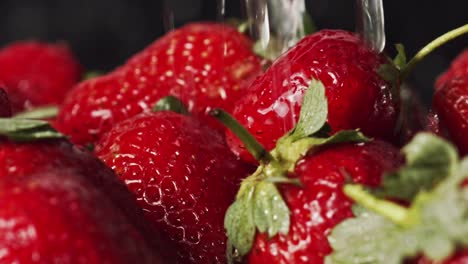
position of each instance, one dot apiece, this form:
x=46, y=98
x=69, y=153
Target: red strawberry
x=358, y=97
x=22, y=159
x=5, y=109
x=285, y=210
x=37, y=74
x=56, y=216
x=183, y=175
x=451, y=104
x=205, y=65
x=321, y=204
x=458, y=68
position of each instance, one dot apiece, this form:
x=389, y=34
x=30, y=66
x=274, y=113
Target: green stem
x=39, y=113
x=396, y=213
x=170, y=103
x=252, y=145
x=431, y=47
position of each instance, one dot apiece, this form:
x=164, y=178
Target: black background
x=104, y=33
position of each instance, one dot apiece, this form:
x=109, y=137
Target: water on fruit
x=370, y=23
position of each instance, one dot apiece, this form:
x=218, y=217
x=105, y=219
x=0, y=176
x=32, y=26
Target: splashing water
x=287, y=21
x=370, y=23
x=257, y=14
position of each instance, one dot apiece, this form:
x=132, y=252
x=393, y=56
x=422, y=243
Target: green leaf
x=429, y=160
x=11, y=125
x=313, y=113
x=290, y=152
x=368, y=238
x=400, y=59
x=92, y=75
x=27, y=129
x=39, y=113
x=259, y=205
x=271, y=214
x=170, y=103
x=441, y=226
x=239, y=222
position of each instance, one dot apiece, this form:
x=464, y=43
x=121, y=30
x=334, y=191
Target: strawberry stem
x=436, y=43
x=39, y=113
x=170, y=103
x=252, y=145
x=396, y=213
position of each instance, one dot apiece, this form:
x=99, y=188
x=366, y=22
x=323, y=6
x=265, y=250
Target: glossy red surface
x=56, y=217
x=458, y=68
x=37, y=73
x=357, y=95
x=321, y=204
x=22, y=159
x=183, y=175
x=451, y=103
x=205, y=65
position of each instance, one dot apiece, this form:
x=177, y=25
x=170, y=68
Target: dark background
x=104, y=33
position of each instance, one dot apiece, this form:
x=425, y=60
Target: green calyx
x=259, y=205
x=18, y=129
x=171, y=103
x=435, y=223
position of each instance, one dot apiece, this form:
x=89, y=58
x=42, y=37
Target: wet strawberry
x=458, y=68
x=37, y=73
x=205, y=65
x=182, y=174
x=321, y=204
x=22, y=159
x=56, y=216
x=450, y=102
x=358, y=97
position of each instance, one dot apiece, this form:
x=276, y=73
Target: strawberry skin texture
x=357, y=96
x=183, y=176
x=20, y=159
x=5, y=109
x=458, y=68
x=451, y=104
x=37, y=73
x=320, y=204
x=56, y=217
x=204, y=65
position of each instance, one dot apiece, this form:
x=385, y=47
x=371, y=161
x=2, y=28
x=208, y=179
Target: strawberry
x=450, y=102
x=56, y=216
x=205, y=65
x=320, y=204
x=431, y=223
x=358, y=96
x=182, y=174
x=458, y=68
x=44, y=151
x=5, y=109
x=285, y=210
x=37, y=74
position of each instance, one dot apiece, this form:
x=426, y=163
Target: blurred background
x=104, y=33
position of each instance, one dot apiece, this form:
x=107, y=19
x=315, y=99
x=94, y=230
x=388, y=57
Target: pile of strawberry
x=192, y=152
